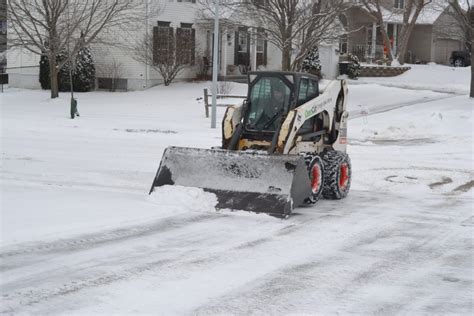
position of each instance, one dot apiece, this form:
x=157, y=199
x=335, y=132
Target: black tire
x=458, y=62
x=338, y=174
x=315, y=166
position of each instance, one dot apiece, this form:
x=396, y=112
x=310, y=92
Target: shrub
x=354, y=67
x=83, y=73
x=311, y=63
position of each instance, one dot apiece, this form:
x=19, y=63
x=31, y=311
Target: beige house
x=434, y=37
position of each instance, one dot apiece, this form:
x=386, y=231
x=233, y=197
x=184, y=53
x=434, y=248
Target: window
x=343, y=20
x=187, y=25
x=164, y=24
x=343, y=44
x=269, y=99
x=185, y=44
x=243, y=41
x=399, y=4
x=261, y=48
x=189, y=1
x=163, y=43
x=308, y=90
x=242, y=47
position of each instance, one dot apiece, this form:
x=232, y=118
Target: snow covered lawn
x=434, y=77
x=80, y=235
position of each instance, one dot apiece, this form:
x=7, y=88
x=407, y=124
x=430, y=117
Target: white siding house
x=238, y=51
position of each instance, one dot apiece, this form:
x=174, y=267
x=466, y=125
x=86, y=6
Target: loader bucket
x=255, y=182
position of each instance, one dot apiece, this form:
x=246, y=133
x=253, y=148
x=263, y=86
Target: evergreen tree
x=83, y=73
x=311, y=62
x=63, y=75
x=354, y=67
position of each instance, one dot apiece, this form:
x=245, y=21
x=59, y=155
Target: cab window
x=308, y=90
x=269, y=101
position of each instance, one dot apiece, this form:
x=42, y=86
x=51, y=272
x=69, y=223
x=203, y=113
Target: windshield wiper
x=272, y=119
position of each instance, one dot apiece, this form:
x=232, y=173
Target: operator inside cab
x=269, y=101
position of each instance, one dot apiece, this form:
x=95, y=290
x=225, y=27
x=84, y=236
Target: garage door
x=444, y=48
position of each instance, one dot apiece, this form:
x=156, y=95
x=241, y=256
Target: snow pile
x=177, y=198
x=420, y=123
x=434, y=77
x=408, y=128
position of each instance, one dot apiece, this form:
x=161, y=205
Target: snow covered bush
x=83, y=73
x=311, y=62
x=83, y=77
x=354, y=67
x=63, y=75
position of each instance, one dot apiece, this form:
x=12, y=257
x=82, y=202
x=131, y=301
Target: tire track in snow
x=14, y=301
x=353, y=114
x=13, y=256
x=391, y=250
x=37, y=288
x=40, y=295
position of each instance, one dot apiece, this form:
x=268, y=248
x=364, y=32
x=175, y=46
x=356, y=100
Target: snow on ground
x=81, y=235
x=434, y=77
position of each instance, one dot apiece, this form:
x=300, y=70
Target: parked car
x=460, y=59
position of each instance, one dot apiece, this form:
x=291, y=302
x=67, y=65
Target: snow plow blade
x=255, y=182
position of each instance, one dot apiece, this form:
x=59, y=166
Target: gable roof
x=428, y=16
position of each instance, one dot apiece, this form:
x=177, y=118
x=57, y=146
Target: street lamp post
x=215, y=65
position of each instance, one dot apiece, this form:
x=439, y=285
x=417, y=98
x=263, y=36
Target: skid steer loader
x=284, y=146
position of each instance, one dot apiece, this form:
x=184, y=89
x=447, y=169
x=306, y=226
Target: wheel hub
x=343, y=176
x=316, y=178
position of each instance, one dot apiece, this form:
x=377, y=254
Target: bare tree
x=224, y=87
x=454, y=22
x=294, y=26
x=113, y=71
x=168, y=57
x=410, y=13
x=51, y=26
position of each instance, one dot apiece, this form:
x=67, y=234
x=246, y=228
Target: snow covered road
x=81, y=236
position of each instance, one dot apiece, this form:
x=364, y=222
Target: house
x=240, y=50
x=435, y=35
x=182, y=19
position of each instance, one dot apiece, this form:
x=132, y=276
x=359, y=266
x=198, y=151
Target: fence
x=219, y=96
x=364, y=52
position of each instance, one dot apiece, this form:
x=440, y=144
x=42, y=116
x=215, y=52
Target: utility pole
x=146, y=44
x=73, y=101
x=215, y=64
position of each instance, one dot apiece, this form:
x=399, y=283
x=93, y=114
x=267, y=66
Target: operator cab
x=271, y=96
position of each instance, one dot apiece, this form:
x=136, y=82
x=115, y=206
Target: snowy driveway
x=80, y=235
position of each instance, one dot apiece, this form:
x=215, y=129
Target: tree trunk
x=471, y=94
x=286, y=58
x=401, y=53
x=471, y=19
x=53, y=72
x=404, y=38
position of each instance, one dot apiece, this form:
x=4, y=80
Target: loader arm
x=334, y=96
